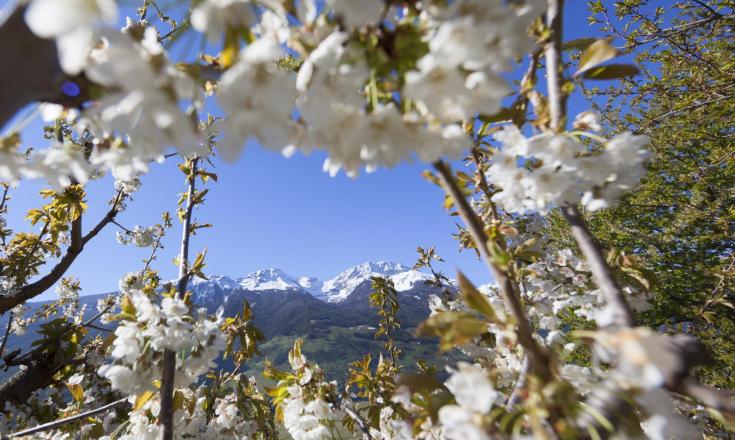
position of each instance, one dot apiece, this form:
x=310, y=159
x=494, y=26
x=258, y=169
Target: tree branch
x=358, y=420
x=680, y=381
x=658, y=119
x=75, y=248
x=169, y=357
x=554, y=65
x=67, y=420
x=614, y=297
x=515, y=396
x=7, y=333
x=720, y=400
x=539, y=358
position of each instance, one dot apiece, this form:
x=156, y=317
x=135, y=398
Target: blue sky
x=269, y=211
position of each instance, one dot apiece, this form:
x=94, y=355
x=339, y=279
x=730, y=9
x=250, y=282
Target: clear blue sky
x=269, y=211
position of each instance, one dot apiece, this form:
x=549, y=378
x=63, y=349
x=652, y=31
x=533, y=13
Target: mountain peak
x=268, y=279
x=381, y=267
x=340, y=287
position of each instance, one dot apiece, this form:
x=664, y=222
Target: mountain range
x=334, y=290
x=333, y=316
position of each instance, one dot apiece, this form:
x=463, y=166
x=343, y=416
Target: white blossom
x=71, y=23
x=142, y=115
x=258, y=97
x=471, y=388
x=121, y=378
x=60, y=165
x=306, y=420
x=215, y=17
x=459, y=423
x=139, y=236
x=587, y=121
x=563, y=170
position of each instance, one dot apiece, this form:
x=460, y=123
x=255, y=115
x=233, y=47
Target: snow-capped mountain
x=339, y=288
x=334, y=290
x=268, y=279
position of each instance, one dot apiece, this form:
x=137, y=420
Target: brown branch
x=11, y=316
x=681, y=110
x=554, y=65
x=76, y=246
x=539, y=358
x=67, y=420
x=166, y=416
x=515, y=396
x=40, y=366
x=688, y=352
x=614, y=297
x=720, y=400
x=358, y=420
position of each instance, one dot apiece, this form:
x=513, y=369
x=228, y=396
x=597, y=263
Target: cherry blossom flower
x=71, y=23
x=216, y=17
x=259, y=98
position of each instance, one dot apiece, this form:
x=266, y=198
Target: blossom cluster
x=304, y=401
x=335, y=99
x=470, y=44
x=202, y=418
x=148, y=329
x=562, y=282
x=549, y=170
x=139, y=236
x=475, y=396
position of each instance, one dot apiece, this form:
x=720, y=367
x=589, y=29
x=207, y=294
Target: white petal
x=73, y=50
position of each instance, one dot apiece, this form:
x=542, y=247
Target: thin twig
x=72, y=419
x=515, y=396
x=358, y=420
x=114, y=222
x=538, y=356
x=614, y=298
x=76, y=246
x=102, y=329
x=555, y=65
x=169, y=357
x=11, y=316
x=682, y=110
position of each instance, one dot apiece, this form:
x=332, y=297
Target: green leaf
x=475, y=299
x=417, y=381
x=142, y=399
x=77, y=392
x=579, y=43
x=231, y=50
x=596, y=54
x=179, y=400
x=498, y=256
x=611, y=71
x=198, y=265
x=127, y=306
x=452, y=328
x=504, y=114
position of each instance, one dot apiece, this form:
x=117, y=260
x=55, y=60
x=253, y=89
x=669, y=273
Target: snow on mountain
x=488, y=288
x=334, y=290
x=222, y=281
x=339, y=288
x=312, y=285
x=409, y=279
x=268, y=279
